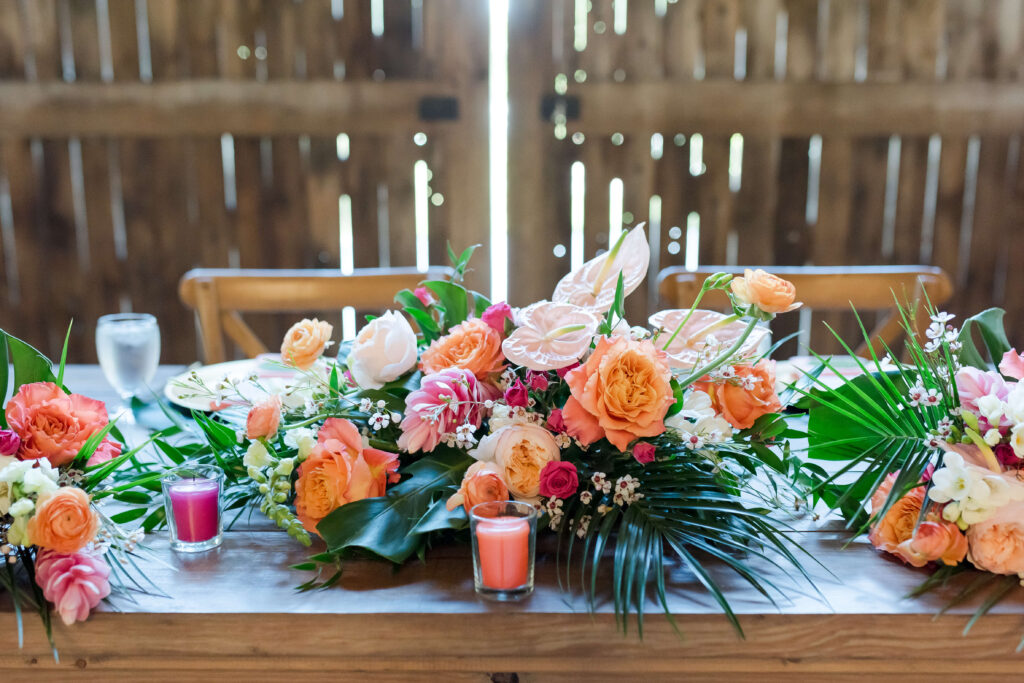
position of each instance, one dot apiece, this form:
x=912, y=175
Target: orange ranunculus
x=340, y=470
x=897, y=526
x=747, y=396
x=621, y=393
x=472, y=345
x=305, y=342
x=482, y=483
x=51, y=423
x=64, y=521
x=264, y=419
x=934, y=540
x=768, y=292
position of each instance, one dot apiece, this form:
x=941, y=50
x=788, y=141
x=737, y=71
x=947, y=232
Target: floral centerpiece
x=642, y=439
x=933, y=453
x=57, y=456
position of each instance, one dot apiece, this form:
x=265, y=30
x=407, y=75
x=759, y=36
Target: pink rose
x=559, y=479
x=555, y=421
x=53, y=424
x=74, y=583
x=1012, y=364
x=933, y=541
x=10, y=442
x=444, y=401
x=538, y=381
x=264, y=419
x=105, y=452
x=424, y=295
x=495, y=315
x=643, y=452
x=997, y=544
x=516, y=395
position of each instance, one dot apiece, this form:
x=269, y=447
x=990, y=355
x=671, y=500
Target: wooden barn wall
x=141, y=138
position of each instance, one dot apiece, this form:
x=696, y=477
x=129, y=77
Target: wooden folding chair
x=823, y=288
x=220, y=295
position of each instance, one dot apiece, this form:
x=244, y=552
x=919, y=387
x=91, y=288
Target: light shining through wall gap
x=497, y=109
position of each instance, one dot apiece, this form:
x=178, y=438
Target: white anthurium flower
x=992, y=408
x=592, y=285
x=551, y=335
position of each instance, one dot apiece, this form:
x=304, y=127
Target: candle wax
x=503, y=544
x=195, y=503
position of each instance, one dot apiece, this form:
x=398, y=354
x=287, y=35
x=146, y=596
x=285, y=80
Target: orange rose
x=264, y=419
x=64, y=521
x=621, y=393
x=338, y=471
x=934, y=540
x=742, y=406
x=51, y=423
x=305, y=342
x=473, y=345
x=482, y=483
x=897, y=526
x=768, y=292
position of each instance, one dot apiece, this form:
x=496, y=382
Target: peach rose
x=305, y=342
x=64, y=521
x=933, y=540
x=740, y=406
x=997, y=544
x=482, y=483
x=264, y=419
x=767, y=292
x=621, y=393
x=520, y=450
x=473, y=345
x=339, y=471
x=51, y=423
x=899, y=521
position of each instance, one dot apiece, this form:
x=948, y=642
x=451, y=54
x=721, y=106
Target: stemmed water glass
x=128, y=346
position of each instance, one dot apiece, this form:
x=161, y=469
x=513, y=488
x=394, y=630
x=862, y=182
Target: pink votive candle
x=503, y=544
x=195, y=504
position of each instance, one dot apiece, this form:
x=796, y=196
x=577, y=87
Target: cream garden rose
x=383, y=351
x=521, y=450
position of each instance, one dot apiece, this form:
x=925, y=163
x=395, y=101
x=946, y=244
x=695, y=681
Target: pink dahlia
x=74, y=583
x=444, y=401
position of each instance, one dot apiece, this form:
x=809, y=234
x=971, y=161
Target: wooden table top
x=235, y=610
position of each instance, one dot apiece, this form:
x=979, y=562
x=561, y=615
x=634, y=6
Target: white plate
x=270, y=378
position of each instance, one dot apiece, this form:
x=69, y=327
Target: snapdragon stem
x=722, y=359
x=700, y=295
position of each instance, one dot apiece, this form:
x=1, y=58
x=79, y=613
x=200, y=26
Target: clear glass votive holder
x=192, y=501
x=504, y=542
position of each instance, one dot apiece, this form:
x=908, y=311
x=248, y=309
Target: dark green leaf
x=453, y=298
x=439, y=518
x=988, y=324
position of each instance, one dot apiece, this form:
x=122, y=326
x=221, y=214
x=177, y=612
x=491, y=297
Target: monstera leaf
x=390, y=526
x=989, y=326
x=29, y=365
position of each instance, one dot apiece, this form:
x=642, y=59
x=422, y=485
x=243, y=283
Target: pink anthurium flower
x=685, y=348
x=550, y=336
x=592, y=285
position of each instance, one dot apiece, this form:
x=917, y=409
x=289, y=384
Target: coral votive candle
x=192, y=504
x=504, y=536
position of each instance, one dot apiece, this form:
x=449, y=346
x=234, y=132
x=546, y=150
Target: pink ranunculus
x=445, y=400
x=972, y=384
x=1012, y=364
x=643, y=452
x=933, y=541
x=495, y=315
x=264, y=419
x=555, y=421
x=559, y=479
x=538, y=381
x=516, y=395
x=10, y=442
x=105, y=452
x=425, y=296
x=74, y=583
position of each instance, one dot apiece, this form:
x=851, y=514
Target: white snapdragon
x=992, y=437
x=256, y=455
x=22, y=507
x=15, y=471
x=992, y=408
x=301, y=438
x=40, y=480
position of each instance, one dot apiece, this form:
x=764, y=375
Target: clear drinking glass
x=504, y=541
x=192, y=501
x=128, y=346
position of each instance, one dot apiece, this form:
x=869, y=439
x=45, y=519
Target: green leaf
x=480, y=303
x=426, y=324
x=129, y=515
x=410, y=300
x=439, y=518
x=30, y=365
x=453, y=298
x=385, y=525
x=677, y=391
x=989, y=325
x=64, y=355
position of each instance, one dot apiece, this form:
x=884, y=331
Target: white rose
x=383, y=351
